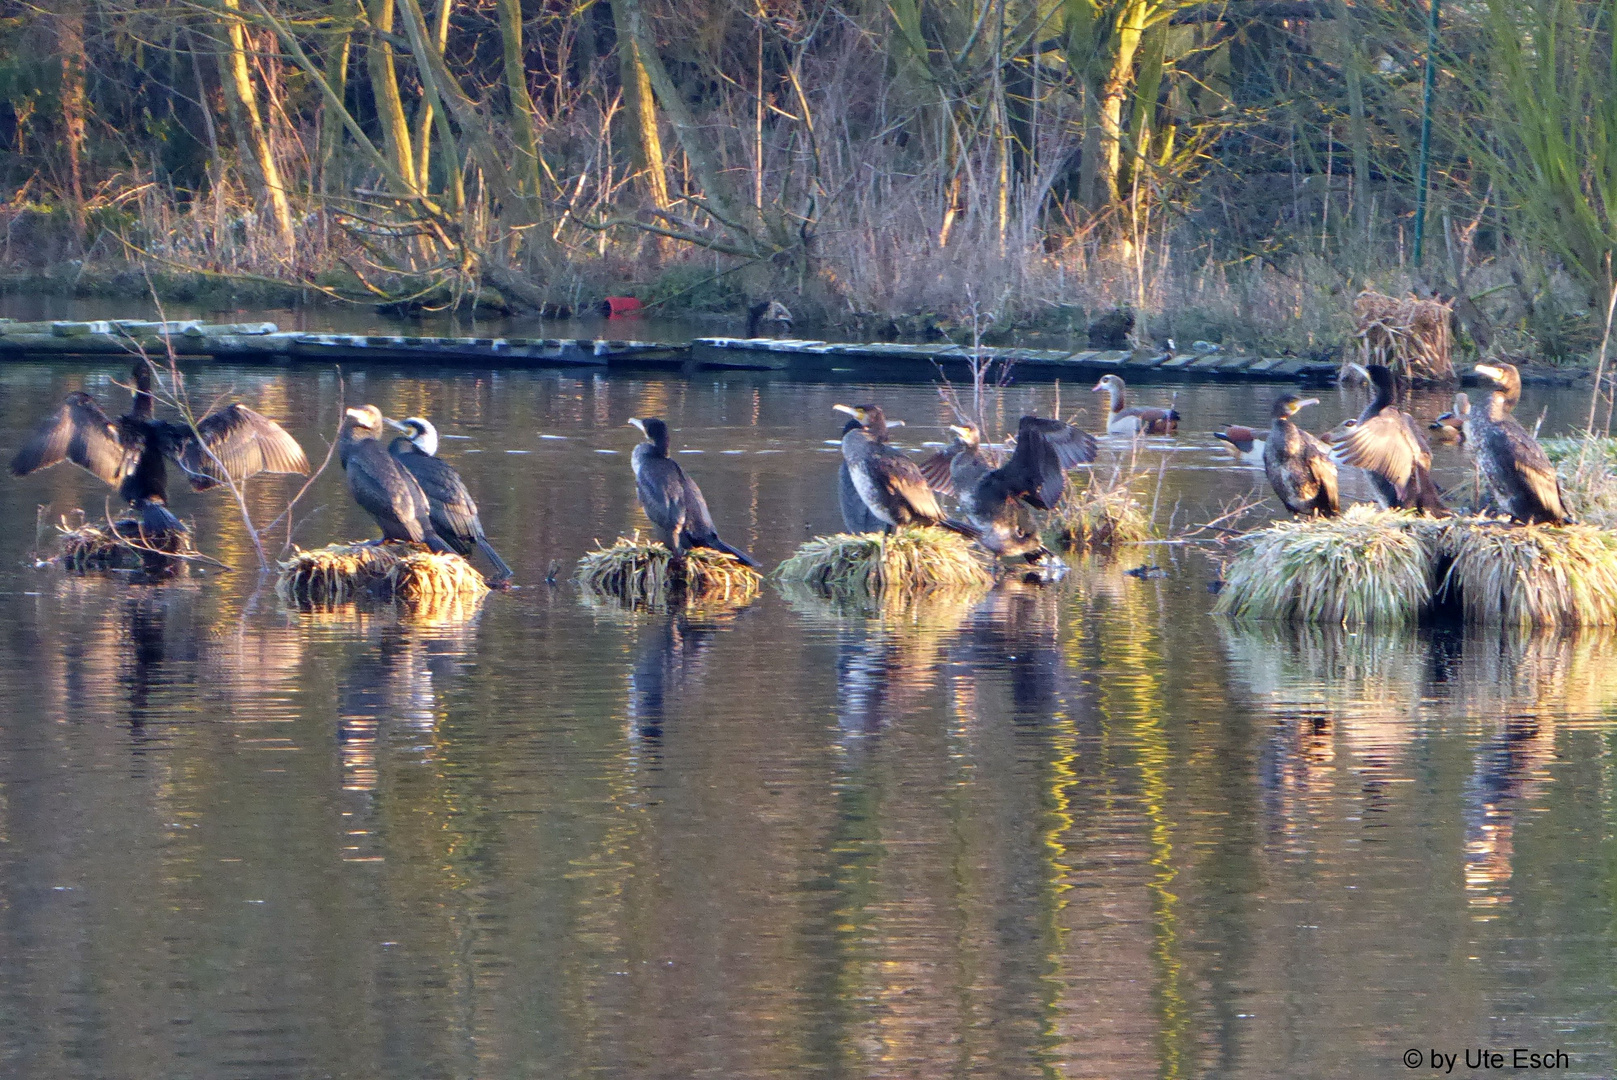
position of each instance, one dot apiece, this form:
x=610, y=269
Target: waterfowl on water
x=1388, y=446
x=1247, y=444
x=672, y=501
x=1512, y=463
x=1298, y=465
x=382, y=487
x=996, y=500
x=1450, y=426
x=889, y=483
x=1138, y=420
x=451, y=507
x=233, y=442
x=856, y=516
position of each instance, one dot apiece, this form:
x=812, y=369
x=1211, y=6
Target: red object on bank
x=614, y=307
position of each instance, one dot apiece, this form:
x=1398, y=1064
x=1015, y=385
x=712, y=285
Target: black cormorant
x=996, y=500
x=1388, y=446
x=1450, y=426
x=233, y=441
x=453, y=510
x=380, y=485
x=890, y=484
x=671, y=499
x=1512, y=463
x=856, y=516
x=1298, y=465
x=1136, y=420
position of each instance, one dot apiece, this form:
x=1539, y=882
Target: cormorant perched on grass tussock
x=380, y=485
x=453, y=510
x=1387, y=444
x=856, y=516
x=1510, y=460
x=890, y=484
x=1298, y=465
x=233, y=441
x=671, y=499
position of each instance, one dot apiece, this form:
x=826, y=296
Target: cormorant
x=1298, y=465
x=671, y=499
x=1450, y=426
x=996, y=500
x=380, y=485
x=1247, y=443
x=1388, y=445
x=1141, y=420
x=233, y=441
x=767, y=311
x=1512, y=463
x=453, y=510
x=856, y=516
x=890, y=484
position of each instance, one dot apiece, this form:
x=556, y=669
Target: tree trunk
x=249, y=121
x=426, y=114
x=70, y=43
x=516, y=89
x=642, y=106
x=339, y=47
x=385, y=90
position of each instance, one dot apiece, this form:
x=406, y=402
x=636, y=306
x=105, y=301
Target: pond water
x=1076, y=830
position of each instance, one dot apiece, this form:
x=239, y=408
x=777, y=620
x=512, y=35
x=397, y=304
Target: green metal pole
x=1426, y=131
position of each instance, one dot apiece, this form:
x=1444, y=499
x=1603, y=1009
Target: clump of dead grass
x=1368, y=567
x=1407, y=334
x=872, y=564
x=641, y=574
x=405, y=574
x=1530, y=575
x=121, y=546
x=1098, y=518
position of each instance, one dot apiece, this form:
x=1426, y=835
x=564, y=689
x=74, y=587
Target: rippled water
x=1081, y=830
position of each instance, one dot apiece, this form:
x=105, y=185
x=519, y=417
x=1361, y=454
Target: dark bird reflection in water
x=671, y=655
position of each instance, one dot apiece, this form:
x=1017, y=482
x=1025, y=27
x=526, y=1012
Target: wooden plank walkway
x=266, y=343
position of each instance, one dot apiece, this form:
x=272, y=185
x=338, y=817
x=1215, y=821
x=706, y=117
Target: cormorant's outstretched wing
x=78, y=431
x=244, y=442
x=1383, y=446
x=937, y=468
x=1074, y=446
x=898, y=474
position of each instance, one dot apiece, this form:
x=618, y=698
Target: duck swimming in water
x=1247, y=443
x=1298, y=465
x=229, y=445
x=382, y=487
x=451, y=507
x=1388, y=446
x=1450, y=426
x=672, y=501
x=1137, y=420
x=996, y=501
x=890, y=484
x=1512, y=463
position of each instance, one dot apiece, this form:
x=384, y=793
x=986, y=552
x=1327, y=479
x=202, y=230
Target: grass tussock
x=1368, y=567
x=92, y=546
x=1587, y=469
x=1098, y=518
x=637, y=573
x=404, y=574
x=1407, y=334
x=1530, y=575
x=875, y=564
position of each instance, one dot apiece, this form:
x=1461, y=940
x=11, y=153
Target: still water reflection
x=1080, y=830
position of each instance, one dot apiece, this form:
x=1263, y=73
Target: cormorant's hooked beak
x=395, y=424
x=1360, y=370
x=1488, y=371
x=963, y=432
x=635, y=421
x=1303, y=403
x=893, y=423
x=857, y=414
x=360, y=415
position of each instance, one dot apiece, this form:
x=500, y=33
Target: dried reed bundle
x=1367, y=567
x=404, y=574
x=1407, y=334
x=871, y=564
x=1530, y=575
x=91, y=546
x=642, y=574
x=1098, y=518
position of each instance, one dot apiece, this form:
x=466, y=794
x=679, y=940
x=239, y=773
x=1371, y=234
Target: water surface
x=1081, y=830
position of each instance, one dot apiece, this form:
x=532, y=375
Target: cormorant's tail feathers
x=156, y=521
x=501, y=571
x=742, y=556
x=970, y=532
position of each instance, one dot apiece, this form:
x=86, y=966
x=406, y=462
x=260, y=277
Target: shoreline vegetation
x=1233, y=173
